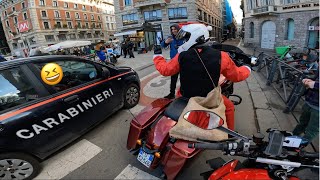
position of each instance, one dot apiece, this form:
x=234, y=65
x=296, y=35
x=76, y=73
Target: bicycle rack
x=290, y=79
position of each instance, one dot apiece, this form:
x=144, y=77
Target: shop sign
x=291, y=7
x=298, y=6
x=306, y=5
x=23, y=26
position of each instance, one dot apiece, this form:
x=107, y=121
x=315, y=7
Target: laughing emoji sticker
x=51, y=73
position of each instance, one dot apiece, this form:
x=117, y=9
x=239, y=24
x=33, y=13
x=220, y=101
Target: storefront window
x=177, y=13
x=155, y=15
x=130, y=19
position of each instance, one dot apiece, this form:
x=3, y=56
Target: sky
x=237, y=12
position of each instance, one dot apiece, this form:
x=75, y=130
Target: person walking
x=124, y=48
x=130, y=48
x=174, y=45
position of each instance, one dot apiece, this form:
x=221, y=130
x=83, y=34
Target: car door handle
x=71, y=99
x=1, y=127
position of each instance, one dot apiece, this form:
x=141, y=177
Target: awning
x=125, y=33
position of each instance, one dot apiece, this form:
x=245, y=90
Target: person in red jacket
x=194, y=78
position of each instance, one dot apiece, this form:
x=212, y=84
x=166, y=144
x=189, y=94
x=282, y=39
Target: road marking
x=131, y=172
x=68, y=160
x=154, y=86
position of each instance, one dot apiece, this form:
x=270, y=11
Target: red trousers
x=229, y=112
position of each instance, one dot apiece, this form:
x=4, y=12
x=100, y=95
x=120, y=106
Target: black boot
x=170, y=96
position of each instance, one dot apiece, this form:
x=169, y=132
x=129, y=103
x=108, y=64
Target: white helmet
x=193, y=34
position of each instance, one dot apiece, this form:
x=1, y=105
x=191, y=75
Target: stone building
x=4, y=48
x=33, y=23
x=131, y=14
x=272, y=23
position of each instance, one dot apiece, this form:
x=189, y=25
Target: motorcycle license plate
x=145, y=158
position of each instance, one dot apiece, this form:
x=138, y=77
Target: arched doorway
x=268, y=35
x=313, y=39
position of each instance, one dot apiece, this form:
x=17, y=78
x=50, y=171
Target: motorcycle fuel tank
x=229, y=171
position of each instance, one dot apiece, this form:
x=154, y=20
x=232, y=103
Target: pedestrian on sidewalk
x=124, y=48
x=309, y=119
x=101, y=52
x=130, y=48
x=92, y=54
x=174, y=45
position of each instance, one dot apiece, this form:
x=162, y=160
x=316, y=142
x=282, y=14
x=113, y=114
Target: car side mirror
x=203, y=119
x=105, y=72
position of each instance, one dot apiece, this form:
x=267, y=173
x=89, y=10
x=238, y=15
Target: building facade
x=272, y=23
x=109, y=19
x=4, y=48
x=33, y=23
x=131, y=14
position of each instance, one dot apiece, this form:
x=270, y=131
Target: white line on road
x=68, y=160
x=131, y=172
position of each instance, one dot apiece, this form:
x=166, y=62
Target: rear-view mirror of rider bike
x=203, y=119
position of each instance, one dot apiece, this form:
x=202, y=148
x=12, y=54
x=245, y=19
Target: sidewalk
x=268, y=105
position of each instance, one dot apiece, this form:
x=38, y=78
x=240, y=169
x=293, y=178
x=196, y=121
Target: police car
x=38, y=117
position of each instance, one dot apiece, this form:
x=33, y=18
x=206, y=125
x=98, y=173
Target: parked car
x=37, y=119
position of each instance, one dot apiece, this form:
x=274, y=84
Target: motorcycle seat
x=175, y=109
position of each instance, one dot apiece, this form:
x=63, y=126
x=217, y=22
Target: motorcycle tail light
x=157, y=155
x=139, y=142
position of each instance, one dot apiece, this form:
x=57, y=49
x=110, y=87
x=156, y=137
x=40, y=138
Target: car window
x=15, y=89
x=75, y=73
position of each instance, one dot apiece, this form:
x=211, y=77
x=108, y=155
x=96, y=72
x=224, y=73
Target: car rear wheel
x=131, y=96
x=18, y=166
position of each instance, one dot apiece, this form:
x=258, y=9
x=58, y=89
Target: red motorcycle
x=279, y=158
x=148, y=136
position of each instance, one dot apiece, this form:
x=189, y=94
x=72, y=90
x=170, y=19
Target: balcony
x=57, y=18
x=44, y=17
x=13, y=13
x=144, y=3
x=265, y=10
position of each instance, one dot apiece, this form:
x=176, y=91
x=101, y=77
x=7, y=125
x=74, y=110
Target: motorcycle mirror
x=203, y=119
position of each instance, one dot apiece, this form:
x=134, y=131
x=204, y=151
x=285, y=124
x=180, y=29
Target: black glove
x=157, y=49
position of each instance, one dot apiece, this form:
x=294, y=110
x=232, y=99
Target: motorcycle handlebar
x=309, y=154
x=212, y=146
